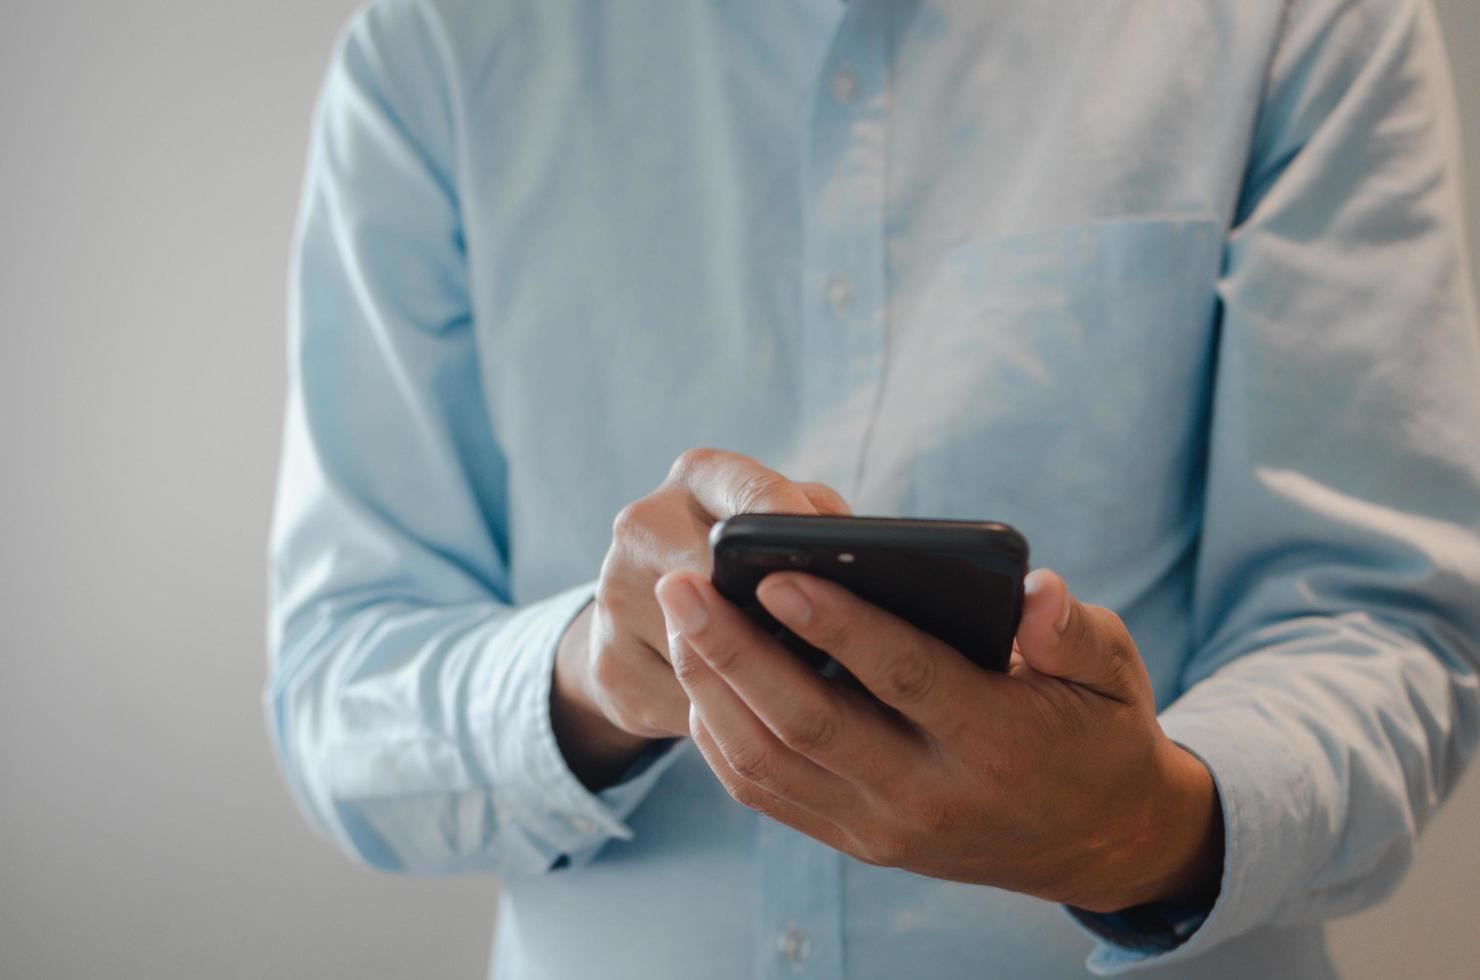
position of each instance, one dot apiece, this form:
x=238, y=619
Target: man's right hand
x=614, y=689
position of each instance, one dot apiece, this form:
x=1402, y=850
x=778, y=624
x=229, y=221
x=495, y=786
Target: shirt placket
x=801, y=925
x=843, y=279
x=801, y=916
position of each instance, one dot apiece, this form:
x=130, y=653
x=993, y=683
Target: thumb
x=1082, y=644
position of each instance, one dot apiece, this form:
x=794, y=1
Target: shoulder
x=455, y=30
x=1327, y=46
x=1356, y=26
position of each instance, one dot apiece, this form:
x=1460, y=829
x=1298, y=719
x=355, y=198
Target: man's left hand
x=1053, y=779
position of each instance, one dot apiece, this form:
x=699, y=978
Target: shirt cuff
x=1158, y=927
x=561, y=822
x=1264, y=795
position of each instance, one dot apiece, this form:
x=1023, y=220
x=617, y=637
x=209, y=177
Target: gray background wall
x=150, y=154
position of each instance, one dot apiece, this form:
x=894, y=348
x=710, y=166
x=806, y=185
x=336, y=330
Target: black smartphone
x=960, y=581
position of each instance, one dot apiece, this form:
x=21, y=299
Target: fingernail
x=683, y=607
x=787, y=603
x=1034, y=583
x=1065, y=604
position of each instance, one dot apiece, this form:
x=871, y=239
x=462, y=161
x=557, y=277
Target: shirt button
x=792, y=944
x=840, y=294
x=844, y=85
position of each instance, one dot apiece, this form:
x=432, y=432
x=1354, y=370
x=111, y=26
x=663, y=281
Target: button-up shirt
x=1177, y=289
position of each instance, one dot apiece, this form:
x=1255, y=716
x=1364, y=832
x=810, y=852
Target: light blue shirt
x=1178, y=289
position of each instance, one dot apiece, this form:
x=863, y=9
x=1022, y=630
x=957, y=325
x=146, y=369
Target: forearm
x=361, y=746
x=1335, y=741
x=417, y=737
x=1321, y=785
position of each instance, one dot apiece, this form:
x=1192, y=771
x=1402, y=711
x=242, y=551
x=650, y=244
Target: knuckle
x=910, y=676
x=755, y=491
x=834, y=502
x=687, y=666
x=1082, y=623
x=1124, y=654
x=746, y=795
x=724, y=657
x=689, y=462
x=630, y=520
x=752, y=762
x=1121, y=656
x=1123, y=667
x=833, y=632
x=1124, y=678
x=826, y=495
x=812, y=731
x=624, y=521
x=887, y=786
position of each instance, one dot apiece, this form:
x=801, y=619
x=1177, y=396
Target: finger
x=753, y=797
x=909, y=670
x=646, y=622
x=750, y=748
x=649, y=700
x=835, y=728
x=637, y=686
x=1083, y=644
x=723, y=484
x=626, y=603
x=826, y=499
x=1015, y=663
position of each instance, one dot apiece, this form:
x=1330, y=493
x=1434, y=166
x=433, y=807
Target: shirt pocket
x=1062, y=382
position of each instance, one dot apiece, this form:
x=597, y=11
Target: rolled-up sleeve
x=409, y=693
x=1337, y=607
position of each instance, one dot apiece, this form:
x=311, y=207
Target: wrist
x=1175, y=850
x=1196, y=837
x=595, y=749
x=1188, y=863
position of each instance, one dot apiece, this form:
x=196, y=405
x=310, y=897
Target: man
x=1179, y=290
